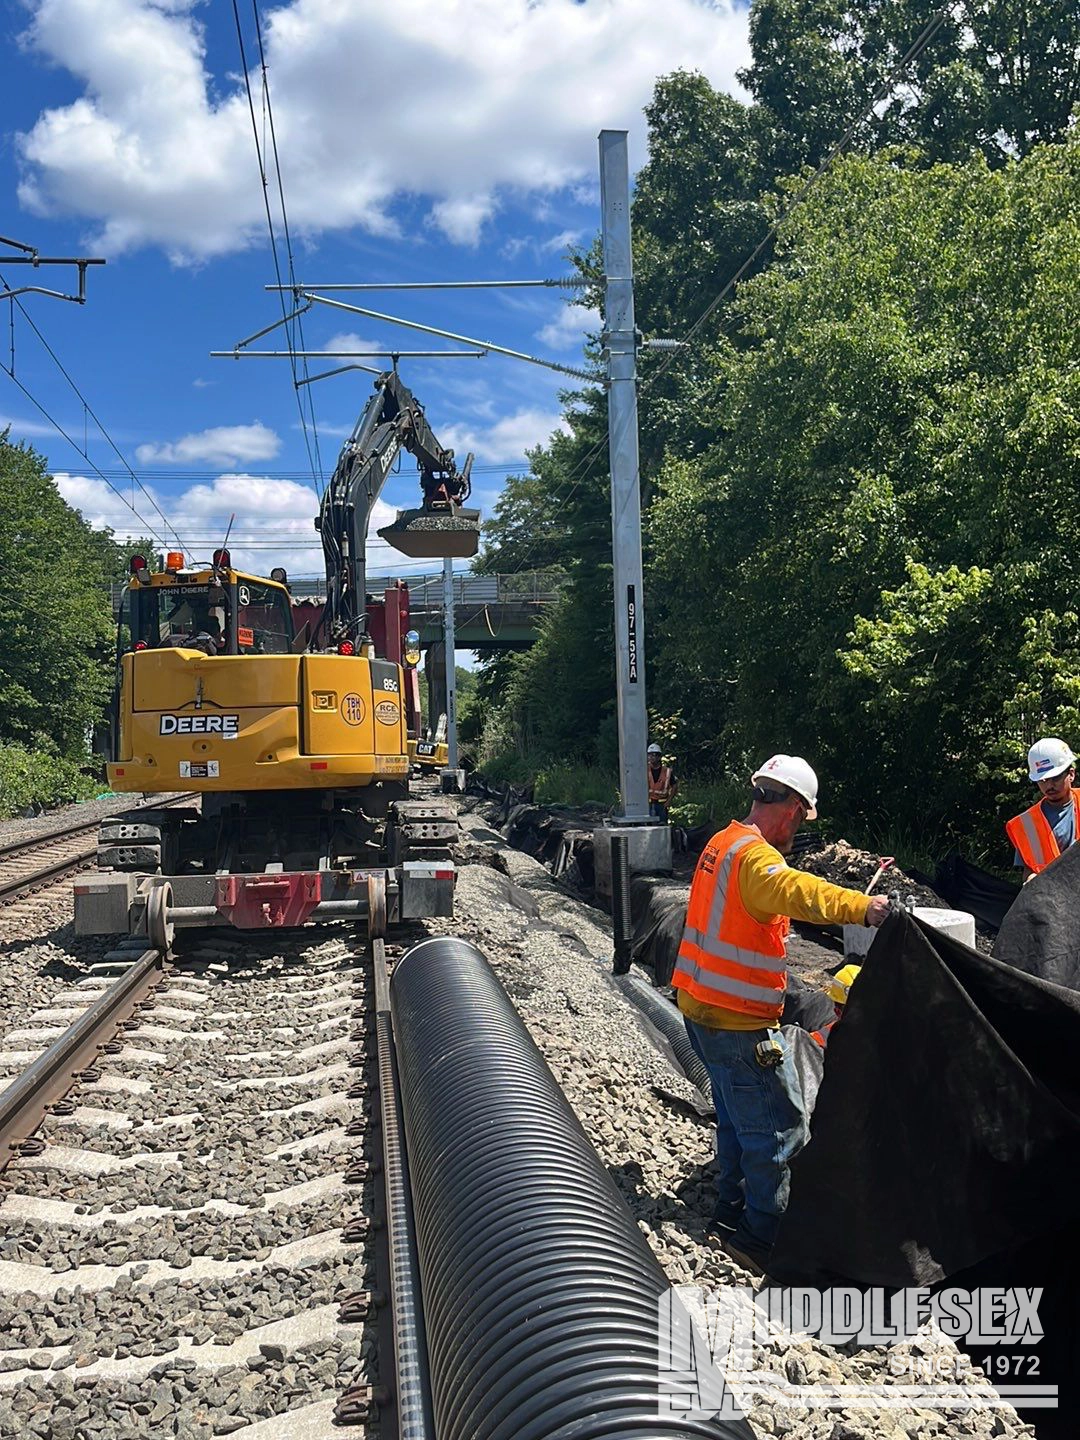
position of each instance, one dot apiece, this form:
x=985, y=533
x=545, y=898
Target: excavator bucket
x=434, y=534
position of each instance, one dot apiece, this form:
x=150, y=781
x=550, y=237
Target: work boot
x=742, y=1249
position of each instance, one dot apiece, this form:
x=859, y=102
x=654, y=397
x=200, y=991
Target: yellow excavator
x=296, y=745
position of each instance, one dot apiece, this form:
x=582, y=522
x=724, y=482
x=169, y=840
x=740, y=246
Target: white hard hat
x=795, y=773
x=1048, y=758
x=654, y=749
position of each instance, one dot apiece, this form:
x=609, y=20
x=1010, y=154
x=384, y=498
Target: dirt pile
x=844, y=865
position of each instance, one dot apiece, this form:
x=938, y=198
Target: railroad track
x=207, y=1169
x=33, y=863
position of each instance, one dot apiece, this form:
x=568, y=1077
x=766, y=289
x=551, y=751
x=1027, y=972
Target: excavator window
x=264, y=619
x=201, y=617
x=182, y=615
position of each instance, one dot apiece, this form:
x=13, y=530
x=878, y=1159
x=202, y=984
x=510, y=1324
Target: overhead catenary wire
x=146, y=525
x=285, y=227
x=88, y=409
x=313, y=460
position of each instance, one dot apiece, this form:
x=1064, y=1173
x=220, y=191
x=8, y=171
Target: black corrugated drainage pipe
x=670, y=1024
x=540, y=1293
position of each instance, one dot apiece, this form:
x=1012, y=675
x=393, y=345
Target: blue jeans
x=658, y=810
x=760, y=1125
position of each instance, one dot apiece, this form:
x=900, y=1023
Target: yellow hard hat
x=838, y=987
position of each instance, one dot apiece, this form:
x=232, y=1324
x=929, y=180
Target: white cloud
x=27, y=429
x=569, y=328
x=221, y=445
x=505, y=97
x=272, y=524
x=201, y=384
x=507, y=440
x=463, y=218
x=352, y=342
x=564, y=240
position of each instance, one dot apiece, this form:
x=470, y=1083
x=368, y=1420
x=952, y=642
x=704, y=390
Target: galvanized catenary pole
x=620, y=339
x=451, y=673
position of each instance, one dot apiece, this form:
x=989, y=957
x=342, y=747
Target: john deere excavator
x=295, y=745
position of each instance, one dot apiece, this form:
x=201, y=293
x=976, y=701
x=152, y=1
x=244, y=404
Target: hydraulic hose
x=541, y=1296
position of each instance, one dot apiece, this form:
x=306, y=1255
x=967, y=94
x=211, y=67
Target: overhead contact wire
x=273, y=246
x=299, y=321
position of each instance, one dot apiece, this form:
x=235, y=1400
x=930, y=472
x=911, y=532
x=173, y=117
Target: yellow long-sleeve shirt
x=768, y=887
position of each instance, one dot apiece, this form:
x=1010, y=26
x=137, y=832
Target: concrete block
x=957, y=923
x=650, y=851
x=451, y=782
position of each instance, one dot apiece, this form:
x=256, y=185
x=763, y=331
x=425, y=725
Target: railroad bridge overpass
x=491, y=612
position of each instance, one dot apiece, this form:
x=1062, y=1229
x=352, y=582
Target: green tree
x=55, y=616
x=881, y=562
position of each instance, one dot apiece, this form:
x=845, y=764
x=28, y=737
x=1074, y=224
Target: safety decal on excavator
x=386, y=711
x=352, y=709
x=245, y=636
x=199, y=769
x=227, y=726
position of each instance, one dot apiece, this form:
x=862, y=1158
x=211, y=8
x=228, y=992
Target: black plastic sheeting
x=946, y=1141
x=965, y=887
x=540, y=1293
x=1041, y=933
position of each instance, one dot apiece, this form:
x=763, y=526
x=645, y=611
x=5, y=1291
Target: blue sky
x=429, y=140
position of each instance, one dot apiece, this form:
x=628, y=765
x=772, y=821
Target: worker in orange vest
x=731, y=976
x=1042, y=832
x=663, y=783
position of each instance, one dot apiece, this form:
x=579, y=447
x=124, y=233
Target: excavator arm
x=393, y=419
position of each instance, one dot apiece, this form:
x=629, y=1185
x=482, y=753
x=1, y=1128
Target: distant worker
x=731, y=976
x=663, y=783
x=1052, y=824
x=837, y=989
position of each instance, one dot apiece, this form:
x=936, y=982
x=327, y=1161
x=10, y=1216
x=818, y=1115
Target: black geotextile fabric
x=965, y=887
x=1041, y=933
x=946, y=1140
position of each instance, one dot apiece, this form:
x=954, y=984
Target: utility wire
x=912, y=53
x=87, y=410
x=315, y=468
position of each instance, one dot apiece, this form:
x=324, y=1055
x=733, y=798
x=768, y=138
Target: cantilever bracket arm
x=450, y=335
x=241, y=344
x=30, y=256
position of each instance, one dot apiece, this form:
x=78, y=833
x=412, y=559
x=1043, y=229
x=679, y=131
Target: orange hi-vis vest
x=1033, y=837
x=659, y=784
x=726, y=957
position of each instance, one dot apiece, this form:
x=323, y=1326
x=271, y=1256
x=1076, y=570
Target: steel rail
x=27, y=1100
x=402, y=1404
x=27, y=884
x=32, y=842
x=22, y=885
x=412, y=1388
